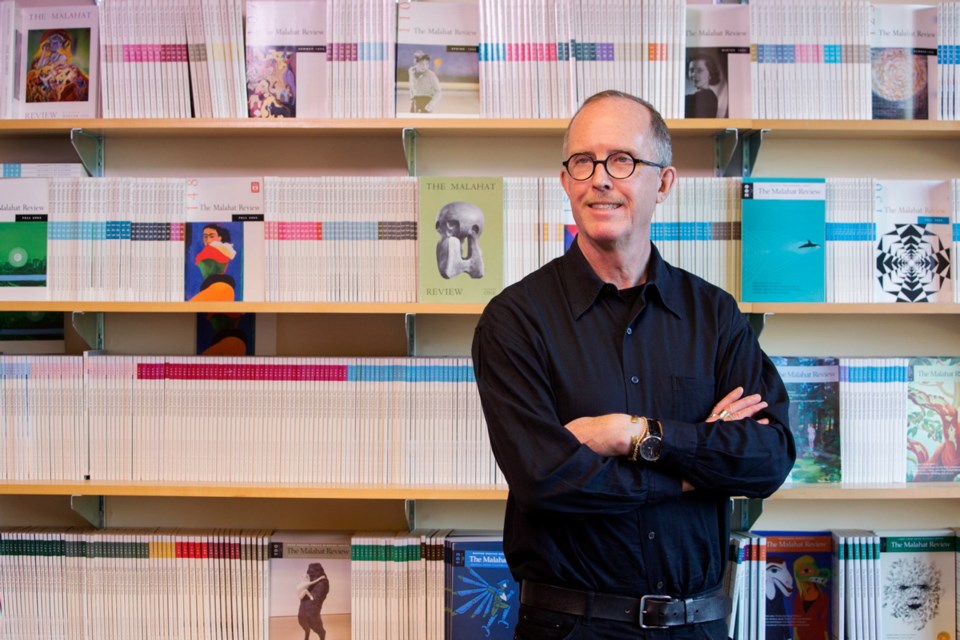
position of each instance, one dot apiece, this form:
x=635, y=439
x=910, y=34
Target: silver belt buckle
x=643, y=610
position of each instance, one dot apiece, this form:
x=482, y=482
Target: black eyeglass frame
x=593, y=170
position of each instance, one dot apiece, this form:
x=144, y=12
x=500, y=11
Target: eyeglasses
x=618, y=165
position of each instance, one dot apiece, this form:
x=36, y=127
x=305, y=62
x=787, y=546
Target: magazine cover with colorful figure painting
x=214, y=268
x=799, y=581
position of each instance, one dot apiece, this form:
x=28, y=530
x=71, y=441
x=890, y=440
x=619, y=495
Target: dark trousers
x=542, y=624
x=419, y=104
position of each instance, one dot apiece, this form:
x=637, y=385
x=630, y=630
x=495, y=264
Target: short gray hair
x=662, y=145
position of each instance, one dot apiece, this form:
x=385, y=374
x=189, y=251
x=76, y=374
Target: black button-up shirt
x=561, y=344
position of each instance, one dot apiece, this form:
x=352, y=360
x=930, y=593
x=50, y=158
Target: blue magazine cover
x=482, y=598
x=783, y=231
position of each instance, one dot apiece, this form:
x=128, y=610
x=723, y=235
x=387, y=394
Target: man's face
x=611, y=212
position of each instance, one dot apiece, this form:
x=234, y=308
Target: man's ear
x=565, y=181
x=668, y=177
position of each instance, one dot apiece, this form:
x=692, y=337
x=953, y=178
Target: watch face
x=650, y=449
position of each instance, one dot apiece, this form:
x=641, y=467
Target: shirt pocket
x=692, y=397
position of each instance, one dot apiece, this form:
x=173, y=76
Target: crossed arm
x=609, y=435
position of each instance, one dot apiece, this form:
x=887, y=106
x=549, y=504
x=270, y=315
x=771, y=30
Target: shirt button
x=660, y=586
x=651, y=535
x=634, y=379
x=629, y=331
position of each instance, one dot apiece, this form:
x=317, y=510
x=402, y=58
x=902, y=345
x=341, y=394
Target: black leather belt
x=650, y=612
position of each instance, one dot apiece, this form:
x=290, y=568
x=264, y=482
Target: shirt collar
x=584, y=286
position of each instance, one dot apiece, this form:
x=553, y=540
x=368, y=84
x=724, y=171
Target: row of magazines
x=439, y=584
x=387, y=239
x=819, y=59
x=407, y=421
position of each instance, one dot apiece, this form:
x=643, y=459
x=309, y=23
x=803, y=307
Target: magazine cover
x=58, y=62
x=32, y=332
x=783, y=231
x=718, y=62
x=799, y=582
x=933, y=393
x=913, y=242
x=286, y=59
x=24, y=207
x=224, y=237
x=226, y=334
x=309, y=585
x=813, y=385
x=918, y=584
x=461, y=239
x=438, y=65
x=482, y=598
x=903, y=62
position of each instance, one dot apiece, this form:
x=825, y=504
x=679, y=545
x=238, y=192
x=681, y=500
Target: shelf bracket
x=410, y=136
x=89, y=148
x=757, y=321
x=410, y=325
x=752, y=142
x=89, y=326
x=410, y=510
x=91, y=508
x=725, y=151
x=746, y=511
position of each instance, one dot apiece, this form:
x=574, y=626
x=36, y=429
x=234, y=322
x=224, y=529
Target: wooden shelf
x=363, y=308
x=468, y=493
x=826, y=308
x=417, y=308
x=855, y=129
x=293, y=127
x=467, y=127
x=894, y=491
x=255, y=490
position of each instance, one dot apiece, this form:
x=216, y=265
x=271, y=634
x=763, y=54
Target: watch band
x=635, y=440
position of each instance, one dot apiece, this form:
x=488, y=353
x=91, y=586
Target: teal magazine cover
x=783, y=231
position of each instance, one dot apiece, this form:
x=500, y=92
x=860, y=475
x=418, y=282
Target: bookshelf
x=421, y=308
x=469, y=127
x=166, y=147
x=471, y=493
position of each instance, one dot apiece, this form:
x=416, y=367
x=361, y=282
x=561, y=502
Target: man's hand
x=607, y=435
x=734, y=406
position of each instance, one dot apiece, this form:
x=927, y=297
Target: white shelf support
x=91, y=508
x=746, y=511
x=89, y=326
x=725, y=149
x=410, y=136
x=89, y=148
x=410, y=324
x=752, y=143
x=410, y=511
x=757, y=322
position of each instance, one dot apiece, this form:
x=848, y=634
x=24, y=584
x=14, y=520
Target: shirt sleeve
x=737, y=457
x=546, y=467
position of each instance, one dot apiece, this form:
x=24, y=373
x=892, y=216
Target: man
x=602, y=378
x=424, y=85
